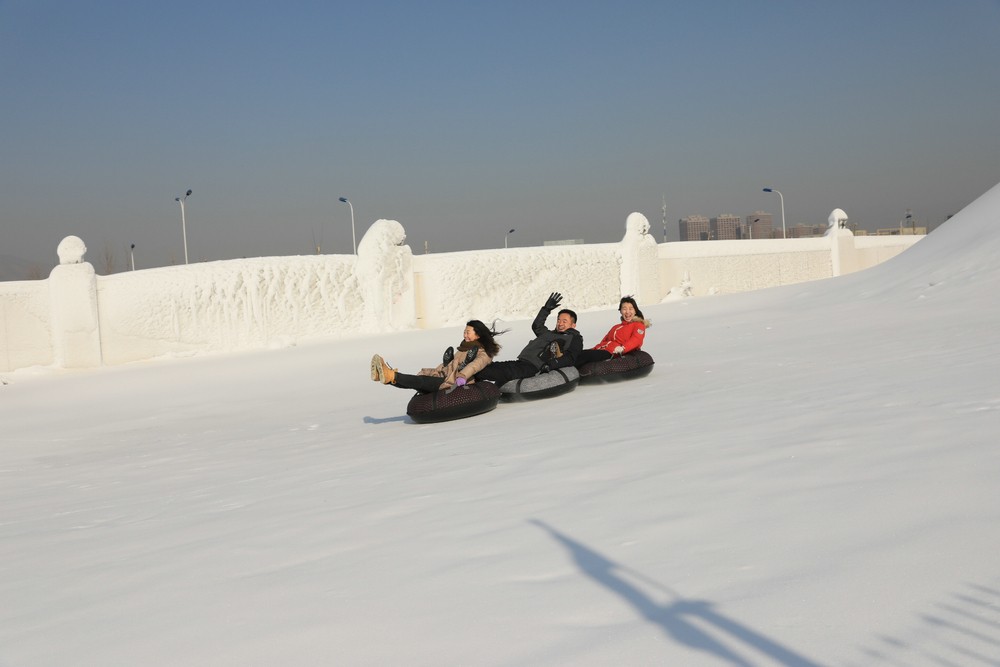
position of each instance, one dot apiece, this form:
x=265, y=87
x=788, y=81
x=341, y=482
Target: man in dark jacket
x=547, y=351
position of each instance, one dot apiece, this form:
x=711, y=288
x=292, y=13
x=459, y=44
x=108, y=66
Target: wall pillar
x=76, y=334
x=384, y=271
x=843, y=254
x=640, y=272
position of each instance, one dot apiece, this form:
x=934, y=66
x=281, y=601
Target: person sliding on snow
x=476, y=351
x=547, y=351
x=624, y=337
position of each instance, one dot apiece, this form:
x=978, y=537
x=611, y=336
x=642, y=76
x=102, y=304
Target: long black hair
x=487, y=335
x=629, y=299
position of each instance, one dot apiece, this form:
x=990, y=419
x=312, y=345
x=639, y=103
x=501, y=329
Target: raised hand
x=553, y=301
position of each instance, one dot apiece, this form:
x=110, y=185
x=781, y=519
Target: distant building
x=565, y=242
x=694, y=228
x=725, y=227
x=759, y=225
x=806, y=231
x=901, y=231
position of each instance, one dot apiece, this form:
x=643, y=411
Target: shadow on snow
x=961, y=630
x=679, y=619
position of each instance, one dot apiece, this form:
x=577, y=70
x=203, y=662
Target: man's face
x=563, y=322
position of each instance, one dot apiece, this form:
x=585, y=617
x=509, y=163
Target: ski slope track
x=808, y=477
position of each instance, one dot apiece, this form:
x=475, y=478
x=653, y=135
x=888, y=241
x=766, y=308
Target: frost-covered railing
x=78, y=319
x=452, y=288
x=25, y=324
x=226, y=305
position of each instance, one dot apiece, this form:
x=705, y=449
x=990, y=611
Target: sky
x=807, y=477
x=465, y=120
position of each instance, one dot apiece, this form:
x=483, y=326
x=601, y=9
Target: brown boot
x=381, y=371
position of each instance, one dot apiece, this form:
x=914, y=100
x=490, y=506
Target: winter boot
x=381, y=371
x=470, y=356
x=554, y=350
x=449, y=354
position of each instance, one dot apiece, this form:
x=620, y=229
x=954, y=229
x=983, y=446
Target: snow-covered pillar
x=843, y=254
x=384, y=271
x=640, y=274
x=76, y=333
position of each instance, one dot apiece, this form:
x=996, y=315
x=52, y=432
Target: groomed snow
x=808, y=477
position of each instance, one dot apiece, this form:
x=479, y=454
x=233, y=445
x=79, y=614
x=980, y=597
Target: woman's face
x=628, y=311
x=470, y=334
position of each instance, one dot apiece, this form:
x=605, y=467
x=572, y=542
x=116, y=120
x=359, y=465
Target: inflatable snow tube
x=543, y=385
x=441, y=406
x=635, y=364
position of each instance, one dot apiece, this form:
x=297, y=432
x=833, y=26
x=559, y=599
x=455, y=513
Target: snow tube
x=543, y=385
x=635, y=364
x=441, y=406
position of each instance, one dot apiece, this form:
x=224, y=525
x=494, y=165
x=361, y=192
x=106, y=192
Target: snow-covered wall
x=872, y=250
x=722, y=267
x=76, y=319
x=25, y=329
x=452, y=288
x=227, y=305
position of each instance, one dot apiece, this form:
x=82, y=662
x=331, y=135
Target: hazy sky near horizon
x=462, y=120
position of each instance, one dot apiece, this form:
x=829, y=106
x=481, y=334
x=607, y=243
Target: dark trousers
x=588, y=356
x=504, y=371
x=425, y=384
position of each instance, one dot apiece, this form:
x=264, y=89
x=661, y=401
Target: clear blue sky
x=464, y=119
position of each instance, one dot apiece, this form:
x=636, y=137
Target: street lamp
x=784, y=235
x=131, y=254
x=180, y=200
x=353, y=237
x=505, y=237
x=664, y=218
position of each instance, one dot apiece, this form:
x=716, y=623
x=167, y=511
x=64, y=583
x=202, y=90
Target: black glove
x=553, y=301
x=544, y=369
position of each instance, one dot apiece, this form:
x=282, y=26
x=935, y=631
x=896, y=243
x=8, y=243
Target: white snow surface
x=808, y=477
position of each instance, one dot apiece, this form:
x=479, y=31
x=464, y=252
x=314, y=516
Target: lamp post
x=131, y=254
x=505, y=238
x=180, y=200
x=353, y=236
x=664, y=209
x=784, y=234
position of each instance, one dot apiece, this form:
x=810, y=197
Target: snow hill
x=808, y=477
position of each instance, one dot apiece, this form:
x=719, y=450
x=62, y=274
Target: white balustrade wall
x=77, y=319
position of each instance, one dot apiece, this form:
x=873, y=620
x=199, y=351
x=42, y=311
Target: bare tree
x=108, y=258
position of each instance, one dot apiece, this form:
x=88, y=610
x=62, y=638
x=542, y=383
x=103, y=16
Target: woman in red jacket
x=625, y=337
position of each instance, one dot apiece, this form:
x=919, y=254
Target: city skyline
x=463, y=122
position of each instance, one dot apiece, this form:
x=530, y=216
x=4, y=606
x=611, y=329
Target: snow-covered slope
x=807, y=477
